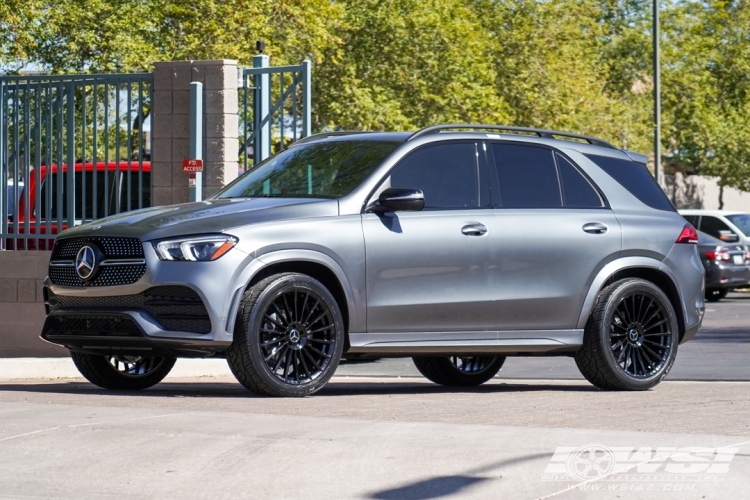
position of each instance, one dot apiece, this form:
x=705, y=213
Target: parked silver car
x=457, y=245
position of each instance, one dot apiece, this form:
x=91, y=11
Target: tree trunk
x=721, y=196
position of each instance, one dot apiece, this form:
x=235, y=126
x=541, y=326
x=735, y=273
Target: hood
x=211, y=216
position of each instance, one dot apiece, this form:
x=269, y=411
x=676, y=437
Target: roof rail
x=548, y=134
x=325, y=135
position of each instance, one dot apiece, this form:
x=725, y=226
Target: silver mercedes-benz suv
x=457, y=245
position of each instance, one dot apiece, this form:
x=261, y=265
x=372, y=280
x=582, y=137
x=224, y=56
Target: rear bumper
x=727, y=276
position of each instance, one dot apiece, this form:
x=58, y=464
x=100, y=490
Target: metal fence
x=73, y=148
x=275, y=108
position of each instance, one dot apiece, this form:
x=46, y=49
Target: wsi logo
x=598, y=462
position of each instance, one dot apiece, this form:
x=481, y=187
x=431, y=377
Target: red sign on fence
x=192, y=166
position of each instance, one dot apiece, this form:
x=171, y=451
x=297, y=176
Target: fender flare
x=296, y=255
x=610, y=269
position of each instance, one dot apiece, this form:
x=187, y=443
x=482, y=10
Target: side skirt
x=512, y=342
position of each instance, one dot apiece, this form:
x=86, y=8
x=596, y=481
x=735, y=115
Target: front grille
x=121, y=248
x=109, y=326
x=112, y=248
x=175, y=308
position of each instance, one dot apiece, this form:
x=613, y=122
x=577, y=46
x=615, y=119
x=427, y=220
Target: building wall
x=22, y=305
x=696, y=191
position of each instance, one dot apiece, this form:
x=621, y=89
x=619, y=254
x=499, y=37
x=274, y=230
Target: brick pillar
x=171, y=128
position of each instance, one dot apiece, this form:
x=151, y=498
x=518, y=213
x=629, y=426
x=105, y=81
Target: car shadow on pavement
x=336, y=388
x=442, y=486
x=723, y=335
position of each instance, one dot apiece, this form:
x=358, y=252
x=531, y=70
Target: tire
x=122, y=373
x=716, y=294
x=626, y=347
x=288, y=337
x=459, y=371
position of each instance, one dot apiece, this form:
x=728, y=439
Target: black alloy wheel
x=459, y=371
x=640, y=335
x=630, y=341
x=289, y=336
x=119, y=372
x=135, y=366
x=472, y=365
x=297, y=336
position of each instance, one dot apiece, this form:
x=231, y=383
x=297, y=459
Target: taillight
x=718, y=255
x=688, y=235
x=747, y=256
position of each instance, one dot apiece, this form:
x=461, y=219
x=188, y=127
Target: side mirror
x=729, y=236
x=399, y=198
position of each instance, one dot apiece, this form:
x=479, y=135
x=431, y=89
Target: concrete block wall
x=697, y=191
x=22, y=305
x=171, y=127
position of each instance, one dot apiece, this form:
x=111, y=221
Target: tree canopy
x=576, y=65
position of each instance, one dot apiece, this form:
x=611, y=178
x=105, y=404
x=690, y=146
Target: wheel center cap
x=633, y=335
x=294, y=335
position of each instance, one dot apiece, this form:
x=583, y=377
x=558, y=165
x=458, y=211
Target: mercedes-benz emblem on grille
x=85, y=262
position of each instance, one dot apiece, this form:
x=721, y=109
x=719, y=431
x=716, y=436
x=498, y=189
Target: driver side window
x=448, y=174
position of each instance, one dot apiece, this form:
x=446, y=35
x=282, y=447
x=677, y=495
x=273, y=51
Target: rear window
x=636, y=178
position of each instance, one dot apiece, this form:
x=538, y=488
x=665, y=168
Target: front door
x=427, y=271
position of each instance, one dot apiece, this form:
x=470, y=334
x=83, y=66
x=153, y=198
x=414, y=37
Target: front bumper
x=119, y=321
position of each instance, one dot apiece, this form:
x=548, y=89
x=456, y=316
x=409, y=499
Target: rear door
x=551, y=232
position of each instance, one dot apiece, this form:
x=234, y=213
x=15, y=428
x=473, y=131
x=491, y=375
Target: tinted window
x=447, y=174
x=716, y=228
x=329, y=169
x=692, y=219
x=742, y=221
x=527, y=177
x=636, y=178
x=133, y=189
x=577, y=190
x=50, y=183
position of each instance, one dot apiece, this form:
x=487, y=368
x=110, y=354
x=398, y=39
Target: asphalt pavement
x=550, y=435
x=720, y=351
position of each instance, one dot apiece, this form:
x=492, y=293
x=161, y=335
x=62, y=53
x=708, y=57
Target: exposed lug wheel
x=462, y=371
x=288, y=338
x=124, y=373
x=716, y=294
x=630, y=341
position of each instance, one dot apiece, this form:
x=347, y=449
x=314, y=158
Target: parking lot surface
x=538, y=431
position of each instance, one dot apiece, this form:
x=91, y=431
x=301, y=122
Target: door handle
x=595, y=228
x=474, y=230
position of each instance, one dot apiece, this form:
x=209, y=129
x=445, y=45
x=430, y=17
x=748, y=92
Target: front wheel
x=461, y=371
x=288, y=338
x=122, y=373
x=630, y=341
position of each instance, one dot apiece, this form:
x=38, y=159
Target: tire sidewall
x=604, y=333
x=255, y=320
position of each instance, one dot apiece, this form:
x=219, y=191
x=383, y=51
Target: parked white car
x=727, y=225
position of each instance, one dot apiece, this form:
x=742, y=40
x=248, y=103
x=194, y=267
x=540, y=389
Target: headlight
x=195, y=248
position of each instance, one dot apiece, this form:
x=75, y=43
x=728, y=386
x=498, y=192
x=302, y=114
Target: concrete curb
x=54, y=368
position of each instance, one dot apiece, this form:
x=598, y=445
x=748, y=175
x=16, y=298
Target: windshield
x=315, y=170
x=742, y=221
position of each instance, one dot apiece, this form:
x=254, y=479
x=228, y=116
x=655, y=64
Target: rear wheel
x=630, y=341
x=716, y=294
x=289, y=337
x=463, y=371
x=124, y=373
